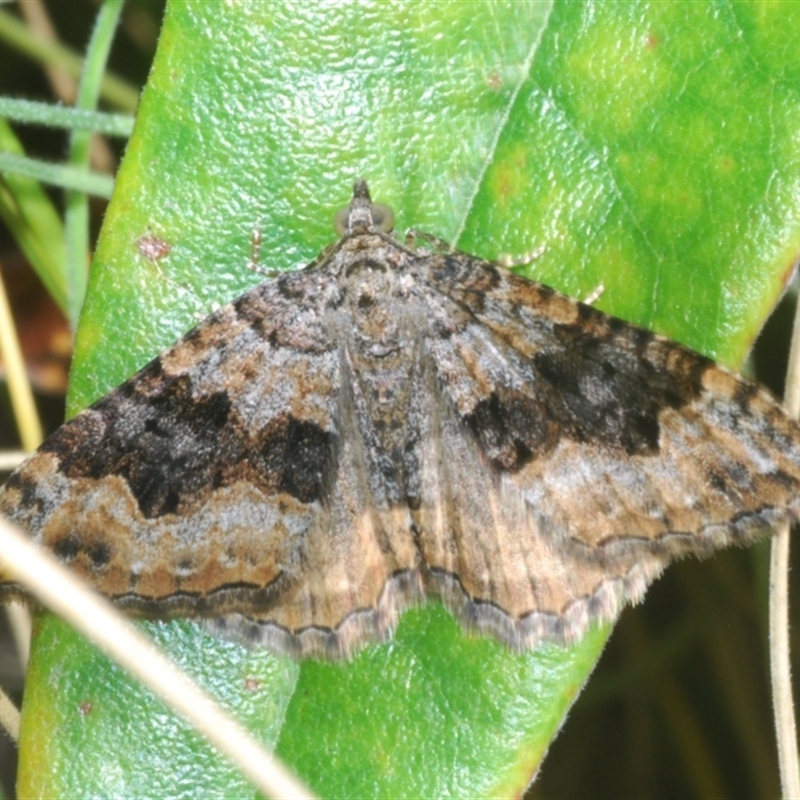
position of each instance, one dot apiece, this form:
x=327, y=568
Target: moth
x=399, y=420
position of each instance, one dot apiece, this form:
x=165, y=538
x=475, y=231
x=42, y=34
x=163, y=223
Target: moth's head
x=362, y=215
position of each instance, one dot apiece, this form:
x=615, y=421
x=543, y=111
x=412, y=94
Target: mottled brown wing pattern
x=601, y=452
x=393, y=422
x=358, y=565
x=217, y=480
x=155, y=493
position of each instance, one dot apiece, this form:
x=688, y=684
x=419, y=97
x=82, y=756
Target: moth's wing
x=218, y=480
x=580, y=454
x=358, y=566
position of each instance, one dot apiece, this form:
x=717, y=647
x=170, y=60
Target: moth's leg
x=509, y=262
x=267, y=272
x=594, y=296
x=437, y=245
x=253, y=263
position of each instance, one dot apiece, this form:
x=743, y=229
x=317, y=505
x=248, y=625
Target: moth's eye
x=382, y=217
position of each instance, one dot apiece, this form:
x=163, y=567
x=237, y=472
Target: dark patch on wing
x=467, y=279
x=597, y=391
x=511, y=428
x=167, y=450
x=782, y=478
x=298, y=457
x=29, y=496
x=67, y=547
x=249, y=308
x=172, y=447
x=590, y=388
x=99, y=553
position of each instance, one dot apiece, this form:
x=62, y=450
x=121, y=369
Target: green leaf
x=653, y=151
x=650, y=148
x=99, y=734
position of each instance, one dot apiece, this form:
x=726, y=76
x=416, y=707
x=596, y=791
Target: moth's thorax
x=376, y=299
x=380, y=317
